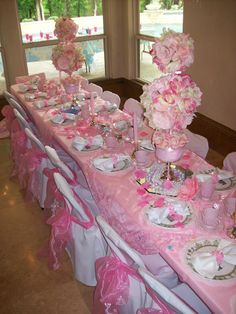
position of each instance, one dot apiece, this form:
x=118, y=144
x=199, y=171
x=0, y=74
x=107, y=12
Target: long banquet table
x=120, y=200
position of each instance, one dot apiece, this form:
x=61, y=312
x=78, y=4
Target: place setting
x=112, y=163
x=169, y=213
x=212, y=259
x=90, y=143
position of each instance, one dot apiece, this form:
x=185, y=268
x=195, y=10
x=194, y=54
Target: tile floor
x=26, y=284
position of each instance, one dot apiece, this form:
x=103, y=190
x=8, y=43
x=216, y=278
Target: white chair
x=38, y=183
x=137, y=294
x=132, y=105
x=95, y=88
x=181, y=298
x=111, y=97
x=197, y=143
x=34, y=140
x=79, y=189
x=85, y=245
x=8, y=96
x=15, y=105
x=23, y=122
x=229, y=162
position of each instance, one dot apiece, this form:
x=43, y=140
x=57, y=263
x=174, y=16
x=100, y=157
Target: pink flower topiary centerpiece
x=67, y=56
x=171, y=100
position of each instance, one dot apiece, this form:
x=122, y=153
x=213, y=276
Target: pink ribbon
x=52, y=190
x=219, y=255
x=112, y=288
x=30, y=161
x=60, y=223
x=8, y=113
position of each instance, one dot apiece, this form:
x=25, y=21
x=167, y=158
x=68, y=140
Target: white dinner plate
x=225, y=271
x=119, y=166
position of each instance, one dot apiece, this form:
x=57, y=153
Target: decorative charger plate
x=119, y=166
x=156, y=175
x=169, y=222
x=226, y=271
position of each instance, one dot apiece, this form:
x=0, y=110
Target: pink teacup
x=111, y=142
x=207, y=188
x=141, y=158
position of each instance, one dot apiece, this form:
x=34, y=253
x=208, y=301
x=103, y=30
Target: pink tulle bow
x=60, y=222
x=112, y=288
x=189, y=189
x=8, y=113
x=52, y=190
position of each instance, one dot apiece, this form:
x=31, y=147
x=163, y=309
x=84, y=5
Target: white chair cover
x=68, y=160
x=15, y=105
x=132, y=105
x=34, y=140
x=95, y=88
x=230, y=162
x=197, y=144
x=39, y=179
x=111, y=97
x=82, y=192
x=181, y=298
x=22, y=121
x=8, y=96
x=86, y=245
x=137, y=295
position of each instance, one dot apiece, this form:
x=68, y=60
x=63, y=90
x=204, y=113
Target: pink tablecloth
x=121, y=204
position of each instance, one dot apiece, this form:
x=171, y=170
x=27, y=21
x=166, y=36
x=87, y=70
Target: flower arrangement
x=172, y=99
x=164, y=139
x=172, y=51
x=67, y=57
x=171, y=102
x=65, y=29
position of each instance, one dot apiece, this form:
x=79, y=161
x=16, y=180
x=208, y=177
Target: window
x=37, y=29
x=154, y=15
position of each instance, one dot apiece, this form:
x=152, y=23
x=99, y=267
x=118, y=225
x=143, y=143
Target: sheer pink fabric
x=18, y=148
x=8, y=113
x=112, y=288
x=27, y=173
x=52, y=193
x=60, y=222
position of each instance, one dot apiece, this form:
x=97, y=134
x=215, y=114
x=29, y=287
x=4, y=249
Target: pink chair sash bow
x=60, y=222
x=29, y=163
x=52, y=190
x=113, y=286
x=8, y=113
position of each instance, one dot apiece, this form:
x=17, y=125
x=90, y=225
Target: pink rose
x=63, y=63
x=162, y=120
